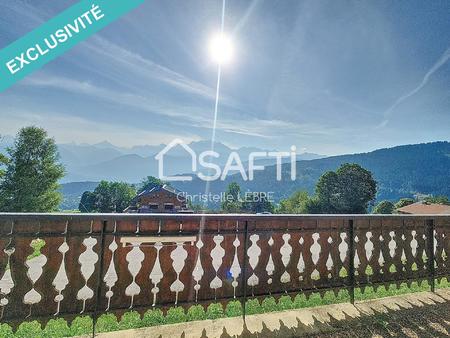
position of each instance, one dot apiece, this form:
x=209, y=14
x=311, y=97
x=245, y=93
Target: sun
x=221, y=48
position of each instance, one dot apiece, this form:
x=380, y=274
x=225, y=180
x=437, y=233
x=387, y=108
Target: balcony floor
x=421, y=314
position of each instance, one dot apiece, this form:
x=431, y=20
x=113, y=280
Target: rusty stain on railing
x=97, y=263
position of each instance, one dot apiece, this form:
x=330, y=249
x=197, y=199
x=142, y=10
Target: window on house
x=153, y=206
x=168, y=206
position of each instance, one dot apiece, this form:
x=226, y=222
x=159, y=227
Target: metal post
x=244, y=270
x=99, y=276
x=431, y=258
x=351, y=263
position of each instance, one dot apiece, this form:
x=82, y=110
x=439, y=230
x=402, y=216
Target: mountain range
x=105, y=161
x=401, y=171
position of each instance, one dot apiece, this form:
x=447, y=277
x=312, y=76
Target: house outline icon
x=160, y=158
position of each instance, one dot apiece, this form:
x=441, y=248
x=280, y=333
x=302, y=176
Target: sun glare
x=221, y=48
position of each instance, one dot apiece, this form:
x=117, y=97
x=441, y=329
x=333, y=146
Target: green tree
x=3, y=162
x=104, y=197
x=87, y=202
x=295, y=204
x=349, y=190
x=123, y=193
x=232, y=202
x=384, y=207
x=313, y=206
x=150, y=182
x=257, y=202
x=30, y=183
x=328, y=192
x=437, y=200
x=113, y=196
x=403, y=202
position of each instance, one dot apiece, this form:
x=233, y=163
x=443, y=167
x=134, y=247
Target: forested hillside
x=400, y=172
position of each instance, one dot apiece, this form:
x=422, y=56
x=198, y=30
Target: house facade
x=159, y=199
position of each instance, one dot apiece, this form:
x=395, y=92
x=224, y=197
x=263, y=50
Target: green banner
x=57, y=36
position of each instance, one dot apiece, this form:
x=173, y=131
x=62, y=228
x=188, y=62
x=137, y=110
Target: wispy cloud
x=438, y=64
x=182, y=115
x=137, y=82
x=66, y=128
x=130, y=62
x=136, y=64
x=151, y=104
x=308, y=73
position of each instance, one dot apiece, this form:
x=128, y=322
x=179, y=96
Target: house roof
x=158, y=188
x=425, y=208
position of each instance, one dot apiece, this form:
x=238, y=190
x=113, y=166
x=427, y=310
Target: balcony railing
x=96, y=263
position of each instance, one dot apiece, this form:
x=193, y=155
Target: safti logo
x=204, y=162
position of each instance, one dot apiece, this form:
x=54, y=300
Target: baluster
x=343, y=252
x=286, y=251
x=301, y=261
x=156, y=274
x=315, y=255
x=61, y=280
x=351, y=261
x=431, y=252
x=235, y=269
x=87, y=261
x=134, y=258
x=198, y=272
x=368, y=248
x=217, y=256
x=6, y=282
x=35, y=267
x=329, y=264
x=270, y=267
x=111, y=276
x=253, y=252
x=178, y=257
x=357, y=262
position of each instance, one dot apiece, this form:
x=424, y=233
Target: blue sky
x=330, y=77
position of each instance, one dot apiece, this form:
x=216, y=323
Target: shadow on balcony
x=422, y=314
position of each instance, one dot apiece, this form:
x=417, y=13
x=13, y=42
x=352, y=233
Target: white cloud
x=150, y=104
x=123, y=61
x=66, y=129
x=135, y=64
x=438, y=64
x=185, y=116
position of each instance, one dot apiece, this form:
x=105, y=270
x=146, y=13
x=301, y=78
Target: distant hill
x=72, y=193
x=400, y=172
x=104, y=161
